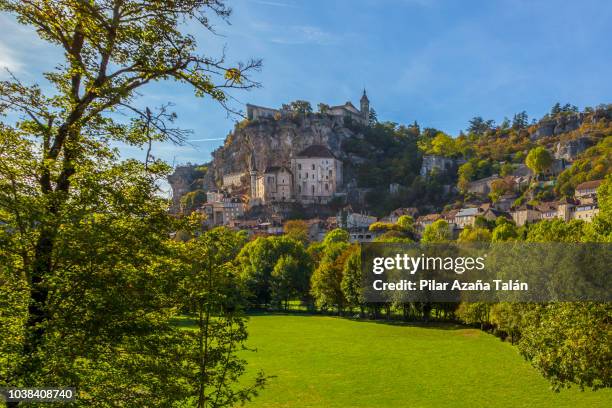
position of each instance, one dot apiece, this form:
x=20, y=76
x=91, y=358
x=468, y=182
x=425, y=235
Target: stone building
x=586, y=192
x=222, y=209
x=274, y=184
x=348, y=110
x=317, y=175
x=233, y=180
x=440, y=164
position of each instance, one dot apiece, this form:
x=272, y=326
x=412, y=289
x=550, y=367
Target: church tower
x=253, y=176
x=365, y=107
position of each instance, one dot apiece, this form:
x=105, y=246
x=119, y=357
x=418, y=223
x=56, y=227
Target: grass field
x=328, y=362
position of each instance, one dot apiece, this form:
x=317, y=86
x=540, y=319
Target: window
x=299, y=189
x=299, y=166
x=312, y=189
x=306, y=174
x=330, y=173
x=313, y=166
x=326, y=187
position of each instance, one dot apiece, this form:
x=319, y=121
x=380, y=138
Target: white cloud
x=8, y=60
x=304, y=35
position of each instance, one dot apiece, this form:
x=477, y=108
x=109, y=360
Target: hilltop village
x=340, y=167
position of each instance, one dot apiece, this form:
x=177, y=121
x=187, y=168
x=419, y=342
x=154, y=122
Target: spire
x=364, y=96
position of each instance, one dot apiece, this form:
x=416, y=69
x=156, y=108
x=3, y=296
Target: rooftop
x=316, y=151
x=589, y=184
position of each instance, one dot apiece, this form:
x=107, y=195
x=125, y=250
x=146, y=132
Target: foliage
x=289, y=279
x=211, y=291
x=437, y=232
x=325, y=283
x=594, y=164
x=539, y=159
x=569, y=343
x=470, y=234
x=192, y=201
x=352, y=279
x=85, y=235
x=297, y=230
x=258, y=260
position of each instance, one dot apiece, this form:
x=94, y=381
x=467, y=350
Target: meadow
x=321, y=361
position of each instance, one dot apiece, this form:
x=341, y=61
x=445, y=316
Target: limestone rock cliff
x=272, y=142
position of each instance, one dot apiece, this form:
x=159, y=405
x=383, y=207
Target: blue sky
x=434, y=61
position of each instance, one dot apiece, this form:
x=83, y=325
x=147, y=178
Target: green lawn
x=327, y=362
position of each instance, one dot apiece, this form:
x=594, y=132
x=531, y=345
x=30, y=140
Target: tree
x=325, y=283
x=92, y=232
x=538, y=160
x=299, y=106
x=474, y=235
x=297, y=230
x=467, y=173
x=211, y=292
x=438, y=231
x=335, y=236
x=504, y=232
x=520, y=120
x=443, y=145
x=569, y=343
x=479, y=126
x=289, y=279
x=352, y=280
x=373, y=118
x=192, y=201
x=258, y=260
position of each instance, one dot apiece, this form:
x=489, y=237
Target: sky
x=439, y=62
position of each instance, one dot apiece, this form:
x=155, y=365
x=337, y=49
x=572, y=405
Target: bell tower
x=365, y=107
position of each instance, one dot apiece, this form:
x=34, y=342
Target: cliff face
x=273, y=142
x=185, y=179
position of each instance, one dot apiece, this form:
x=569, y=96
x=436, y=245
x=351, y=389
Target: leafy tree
x=373, y=118
x=539, y=159
x=297, y=230
x=506, y=169
x=438, y=231
x=289, y=279
x=520, y=120
x=211, y=292
x=474, y=235
x=92, y=231
x=192, y=201
x=474, y=313
x=504, y=232
x=337, y=235
x=479, y=126
x=508, y=318
x=569, y=343
x=299, y=106
x=500, y=187
x=593, y=164
x=325, y=283
x=443, y=145
x=467, y=173
x=259, y=258
x=352, y=280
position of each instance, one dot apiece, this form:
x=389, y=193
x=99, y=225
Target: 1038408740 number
x=42, y=394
